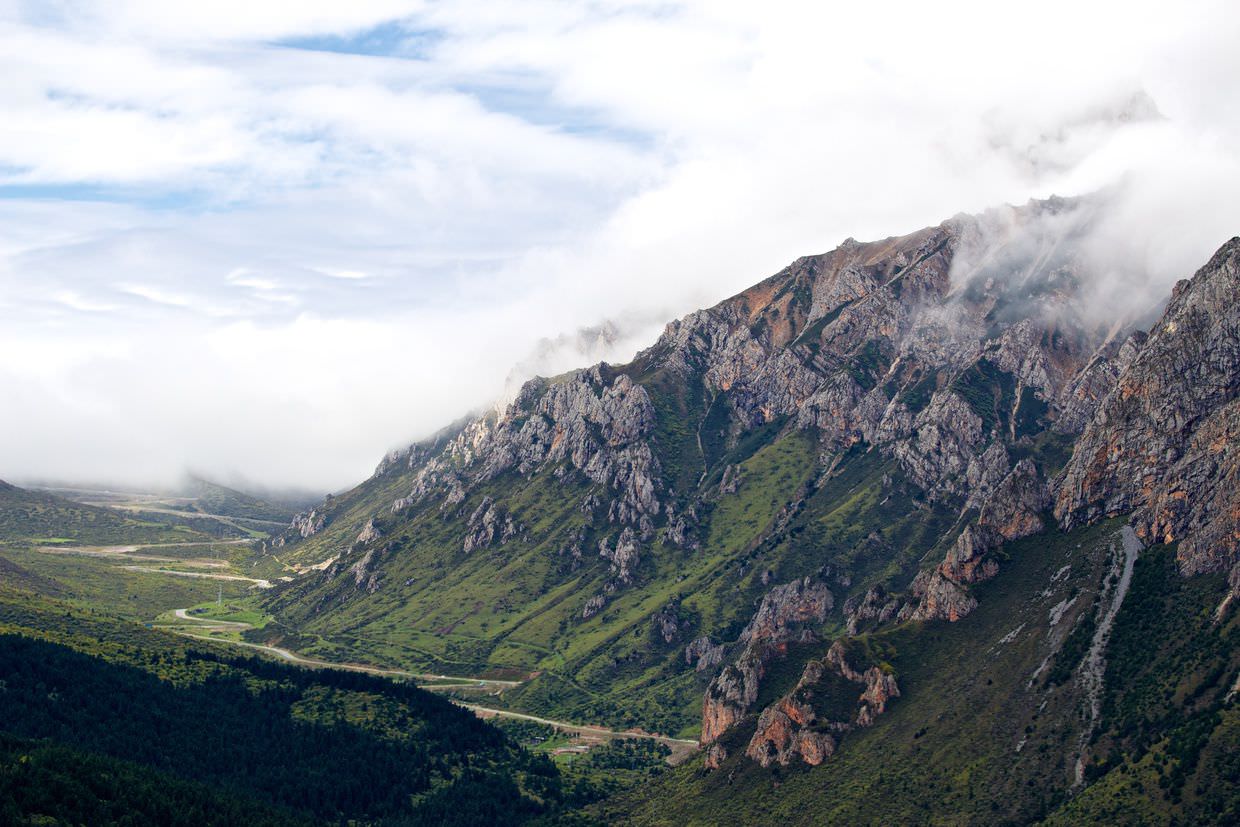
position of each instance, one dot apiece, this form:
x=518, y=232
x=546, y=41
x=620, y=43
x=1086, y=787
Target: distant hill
x=40, y=517
x=212, y=498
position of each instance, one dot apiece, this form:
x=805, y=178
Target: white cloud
x=302, y=258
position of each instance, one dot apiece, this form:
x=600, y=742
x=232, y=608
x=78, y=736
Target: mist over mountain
x=625, y=413
x=299, y=240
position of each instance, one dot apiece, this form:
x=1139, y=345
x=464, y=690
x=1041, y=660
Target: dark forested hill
x=88, y=699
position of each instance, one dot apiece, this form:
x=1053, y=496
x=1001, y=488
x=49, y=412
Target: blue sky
x=276, y=240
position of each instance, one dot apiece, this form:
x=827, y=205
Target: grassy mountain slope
x=20, y=577
x=107, y=583
x=989, y=723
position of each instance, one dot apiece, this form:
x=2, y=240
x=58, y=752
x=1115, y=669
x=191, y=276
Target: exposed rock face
x=945, y=438
x=990, y=294
x=1163, y=443
x=875, y=604
x=488, y=524
x=593, y=606
x=682, y=529
x=880, y=688
x=574, y=549
x=703, y=654
x=594, y=420
x=793, y=727
x=368, y=534
x=784, y=615
x=786, y=608
x=308, y=523
x=1015, y=508
x=364, y=576
x=938, y=598
x=966, y=561
x=668, y=624
x=729, y=697
x=623, y=554
x=715, y=756
x=784, y=731
x=1010, y=511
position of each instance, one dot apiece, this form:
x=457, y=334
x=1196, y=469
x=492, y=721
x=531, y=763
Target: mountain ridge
x=851, y=445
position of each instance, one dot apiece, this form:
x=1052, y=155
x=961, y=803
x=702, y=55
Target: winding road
x=681, y=747
x=258, y=582
x=189, y=626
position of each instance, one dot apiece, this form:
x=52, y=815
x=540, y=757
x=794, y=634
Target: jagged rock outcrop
x=364, y=575
x=875, y=604
x=880, y=687
x=703, y=654
x=729, y=696
x=795, y=728
x=937, y=597
x=786, y=613
x=369, y=533
x=308, y=523
x=623, y=553
x=668, y=624
x=784, y=610
x=682, y=529
x=1013, y=509
x=593, y=606
x=574, y=549
x=488, y=524
x=785, y=729
x=946, y=436
x=1163, y=443
x=595, y=420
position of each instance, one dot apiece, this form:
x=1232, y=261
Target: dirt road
x=681, y=747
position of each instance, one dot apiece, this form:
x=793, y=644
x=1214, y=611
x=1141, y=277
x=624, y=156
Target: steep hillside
x=1164, y=444
x=45, y=784
x=1093, y=680
x=910, y=530
x=994, y=720
x=879, y=419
